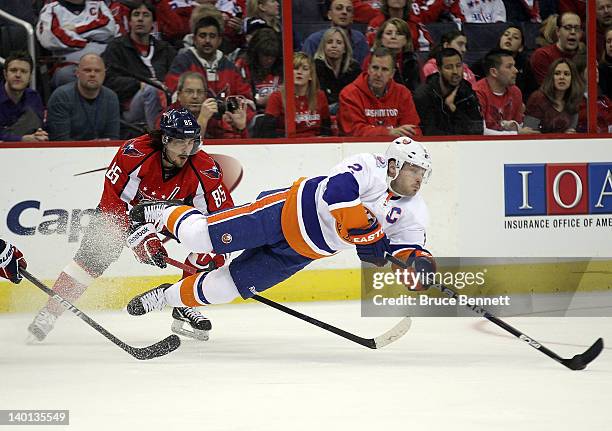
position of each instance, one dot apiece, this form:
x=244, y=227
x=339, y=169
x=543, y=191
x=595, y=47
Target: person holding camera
x=214, y=115
x=223, y=81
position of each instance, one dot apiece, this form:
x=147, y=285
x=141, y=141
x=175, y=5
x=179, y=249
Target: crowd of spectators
x=360, y=67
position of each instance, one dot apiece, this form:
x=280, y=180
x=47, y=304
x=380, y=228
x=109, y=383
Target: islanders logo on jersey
x=131, y=151
x=212, y=173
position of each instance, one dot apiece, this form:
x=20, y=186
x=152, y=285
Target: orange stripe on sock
x=246, y=209
x=175, y=215
x=187, y=292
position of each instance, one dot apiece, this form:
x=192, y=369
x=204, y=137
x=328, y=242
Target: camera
x=227, y=104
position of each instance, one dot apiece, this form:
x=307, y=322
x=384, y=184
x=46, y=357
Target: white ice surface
x=264, y=370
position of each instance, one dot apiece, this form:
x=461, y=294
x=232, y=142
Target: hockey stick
x=578, y=362
x=379, y=342
x=160, y=348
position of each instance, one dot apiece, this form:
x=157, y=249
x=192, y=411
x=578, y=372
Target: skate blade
x=177, y=328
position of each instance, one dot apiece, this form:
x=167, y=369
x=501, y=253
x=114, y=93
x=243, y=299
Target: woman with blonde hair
x=266, y=10
x=394, y=35
x=554, y=107
x=335, y=65
x=311, y=108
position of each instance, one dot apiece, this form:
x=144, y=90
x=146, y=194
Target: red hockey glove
x=147, y=247
x=11, y=261
x=203, y=262
x=421, y=269
x=371, y=243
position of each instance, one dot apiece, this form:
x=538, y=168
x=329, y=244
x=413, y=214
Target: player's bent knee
x=194, y=235
x=219, y=287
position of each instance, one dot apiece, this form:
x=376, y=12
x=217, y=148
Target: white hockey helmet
x=405, y=150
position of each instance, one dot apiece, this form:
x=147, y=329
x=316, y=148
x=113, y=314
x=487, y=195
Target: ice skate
x=41, y=326
x=148, y=301
x=198, y=325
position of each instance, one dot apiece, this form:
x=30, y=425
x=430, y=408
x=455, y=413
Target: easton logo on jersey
x=131, y=151
x=558, y=189
x=212, y=173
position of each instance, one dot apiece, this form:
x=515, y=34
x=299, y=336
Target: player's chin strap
x=578, y=362
x=379, y=342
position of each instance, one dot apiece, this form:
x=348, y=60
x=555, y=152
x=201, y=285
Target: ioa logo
x=558, y=189
x=53, y=221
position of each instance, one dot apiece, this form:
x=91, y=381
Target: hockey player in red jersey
x=369, y=203
x=166, y=164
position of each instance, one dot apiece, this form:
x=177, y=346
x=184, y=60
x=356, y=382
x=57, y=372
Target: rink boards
x=518, y=198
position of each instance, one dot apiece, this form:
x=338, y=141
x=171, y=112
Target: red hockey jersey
x=136, y=173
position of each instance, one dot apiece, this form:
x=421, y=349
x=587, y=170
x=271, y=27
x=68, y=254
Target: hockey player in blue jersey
x=368, y=202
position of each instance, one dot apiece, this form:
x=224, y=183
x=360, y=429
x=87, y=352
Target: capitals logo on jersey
x=131, y=151
x=212, y=173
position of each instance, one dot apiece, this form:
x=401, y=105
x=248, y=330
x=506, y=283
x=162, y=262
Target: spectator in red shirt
x=375, y=105
x=262, y=67
x=457, y=40
x=222, y=77
x=311, y=109
x=501, y=101
x=436, y=10
x=404, y=10
x=175, y=17
x=554, y=107
x=121, y=12
x=569, y=31
x=335, y=65
x=394, y=35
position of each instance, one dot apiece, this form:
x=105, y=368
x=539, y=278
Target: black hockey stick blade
x=579, y=362
x=158, y=349
x=161, y=348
